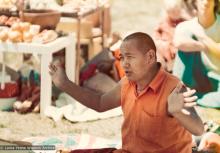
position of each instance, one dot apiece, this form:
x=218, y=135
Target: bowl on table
x=47, y=19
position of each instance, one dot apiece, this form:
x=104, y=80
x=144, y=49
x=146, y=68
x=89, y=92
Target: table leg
x=102, y=20
x=46, y=83
x=3, y=72
x=78, y=50
x=70, y=58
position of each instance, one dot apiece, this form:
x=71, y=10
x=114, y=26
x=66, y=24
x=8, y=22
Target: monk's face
x=135, y=63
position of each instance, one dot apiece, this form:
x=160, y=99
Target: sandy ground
x=127, y=16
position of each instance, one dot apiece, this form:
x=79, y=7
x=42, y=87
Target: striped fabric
x=74, y=142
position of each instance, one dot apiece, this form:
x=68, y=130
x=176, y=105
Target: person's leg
x=190, y=69
x=183, y=67
x=211, y=99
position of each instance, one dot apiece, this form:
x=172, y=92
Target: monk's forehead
x=133, y=44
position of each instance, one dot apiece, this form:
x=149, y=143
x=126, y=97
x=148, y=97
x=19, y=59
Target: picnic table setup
x=31, y=28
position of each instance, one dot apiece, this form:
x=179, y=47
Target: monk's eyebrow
x=128, y=54
x=125, y=54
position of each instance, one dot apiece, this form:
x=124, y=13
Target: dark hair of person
x=142, y=41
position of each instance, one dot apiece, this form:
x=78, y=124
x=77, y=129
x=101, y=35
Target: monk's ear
x=151, y=56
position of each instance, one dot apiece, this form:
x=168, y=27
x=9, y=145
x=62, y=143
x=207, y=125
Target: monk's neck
x=142, y=84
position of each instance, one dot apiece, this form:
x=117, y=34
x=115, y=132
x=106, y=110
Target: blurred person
x=159, y=114
x=210, y=142
x=198, y=59
x=176, y=11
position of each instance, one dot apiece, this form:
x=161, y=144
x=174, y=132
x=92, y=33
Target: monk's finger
x=190, y=99
x=188, y=105
x=186, y=112
x=189, y=93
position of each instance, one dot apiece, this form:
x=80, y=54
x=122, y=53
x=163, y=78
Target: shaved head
x=142, y=41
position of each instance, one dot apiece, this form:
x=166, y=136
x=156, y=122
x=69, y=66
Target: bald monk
x=159, y=114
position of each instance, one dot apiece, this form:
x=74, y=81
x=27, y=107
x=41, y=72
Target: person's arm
x=163, y=40
x=158, y=32
x=181, y=106
x=91, y=99
x=183, y=39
